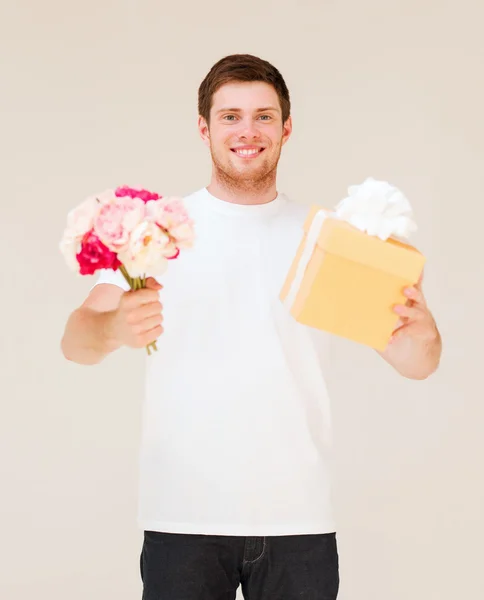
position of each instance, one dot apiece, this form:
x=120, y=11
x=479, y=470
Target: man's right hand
x=137, y=320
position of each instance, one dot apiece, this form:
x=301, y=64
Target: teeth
x=247, y=152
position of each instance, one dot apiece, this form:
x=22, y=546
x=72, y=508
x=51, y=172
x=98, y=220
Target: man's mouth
x=247, y=152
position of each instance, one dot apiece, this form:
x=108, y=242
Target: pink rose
x=143, y=195
x=80, y=219
x=95, y=255
x=117, y=219
x=171, y=215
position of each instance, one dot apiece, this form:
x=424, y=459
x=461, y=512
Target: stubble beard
x=253, y=182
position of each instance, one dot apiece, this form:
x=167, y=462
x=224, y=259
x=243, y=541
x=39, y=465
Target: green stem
x=122, y=268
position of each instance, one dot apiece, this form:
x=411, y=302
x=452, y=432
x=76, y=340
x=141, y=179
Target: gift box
x=350, y=268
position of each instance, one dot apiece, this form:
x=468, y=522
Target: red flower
x=144, y=195
x=95, y=255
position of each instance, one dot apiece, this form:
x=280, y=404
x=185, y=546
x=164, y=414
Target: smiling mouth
x=247, y=153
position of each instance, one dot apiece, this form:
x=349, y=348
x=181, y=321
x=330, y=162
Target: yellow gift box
x=346, y=282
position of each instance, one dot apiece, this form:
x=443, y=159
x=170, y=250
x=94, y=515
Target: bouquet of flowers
x=133, y=230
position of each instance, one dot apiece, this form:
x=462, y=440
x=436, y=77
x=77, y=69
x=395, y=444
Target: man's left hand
x=416, y=320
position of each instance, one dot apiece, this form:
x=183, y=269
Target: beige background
x=97, y=93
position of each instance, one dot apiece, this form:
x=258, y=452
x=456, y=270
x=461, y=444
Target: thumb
x=152, y=284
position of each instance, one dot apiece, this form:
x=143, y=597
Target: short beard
x=236, y=182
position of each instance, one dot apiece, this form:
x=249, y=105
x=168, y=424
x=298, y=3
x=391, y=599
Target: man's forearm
x=414, y=358
x=87, y=338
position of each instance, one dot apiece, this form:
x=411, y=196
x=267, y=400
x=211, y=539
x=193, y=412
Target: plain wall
x=96, y=94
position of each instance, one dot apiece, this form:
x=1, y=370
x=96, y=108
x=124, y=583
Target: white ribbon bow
x=377, y=208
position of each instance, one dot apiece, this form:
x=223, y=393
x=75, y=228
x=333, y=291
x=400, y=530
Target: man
x=235, y=484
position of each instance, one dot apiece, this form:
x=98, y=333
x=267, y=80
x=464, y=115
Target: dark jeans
x=198, y=567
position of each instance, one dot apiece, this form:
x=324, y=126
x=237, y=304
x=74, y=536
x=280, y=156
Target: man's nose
x=249, y=129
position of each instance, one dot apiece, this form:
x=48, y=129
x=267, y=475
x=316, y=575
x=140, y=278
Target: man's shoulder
x=194, y=195
x=295, y=209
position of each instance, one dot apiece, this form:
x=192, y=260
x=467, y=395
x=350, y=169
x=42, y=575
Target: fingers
x=152, y=284
x=414, y=294
x=401, y=329
x=412, y=313
x=143, y=339
x=148, y=324
x=140, y=297
x=145, y=311
x=398, y=333
x=150, y=310
x=153, y=334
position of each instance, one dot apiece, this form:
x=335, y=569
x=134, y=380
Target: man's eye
x=229, y=117
x=265, y=117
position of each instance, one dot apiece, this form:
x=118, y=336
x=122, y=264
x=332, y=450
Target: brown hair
x=245, y=68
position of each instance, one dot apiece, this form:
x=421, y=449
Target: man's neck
x=242, y=195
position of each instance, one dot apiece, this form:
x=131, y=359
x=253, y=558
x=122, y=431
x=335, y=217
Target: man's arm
x=110, y=318
x=416, y=345
x=88, y=336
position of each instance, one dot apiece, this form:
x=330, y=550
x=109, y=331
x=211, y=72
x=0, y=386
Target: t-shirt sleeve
x=113, y=277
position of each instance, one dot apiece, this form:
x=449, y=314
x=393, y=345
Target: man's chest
x=232, y=267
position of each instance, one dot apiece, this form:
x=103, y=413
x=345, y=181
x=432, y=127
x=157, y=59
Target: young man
x=235, y=483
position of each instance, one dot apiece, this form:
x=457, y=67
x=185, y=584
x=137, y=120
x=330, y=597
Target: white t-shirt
x=236, y=429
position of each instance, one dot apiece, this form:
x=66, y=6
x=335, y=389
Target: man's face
x=246, y=134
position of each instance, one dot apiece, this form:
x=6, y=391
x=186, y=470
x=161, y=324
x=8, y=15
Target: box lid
x=343, y=239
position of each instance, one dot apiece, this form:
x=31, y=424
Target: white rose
x=69, y=247
x=144, y=254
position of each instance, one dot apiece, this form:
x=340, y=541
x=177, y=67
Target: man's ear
x=204, y=130
x=287, y=130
